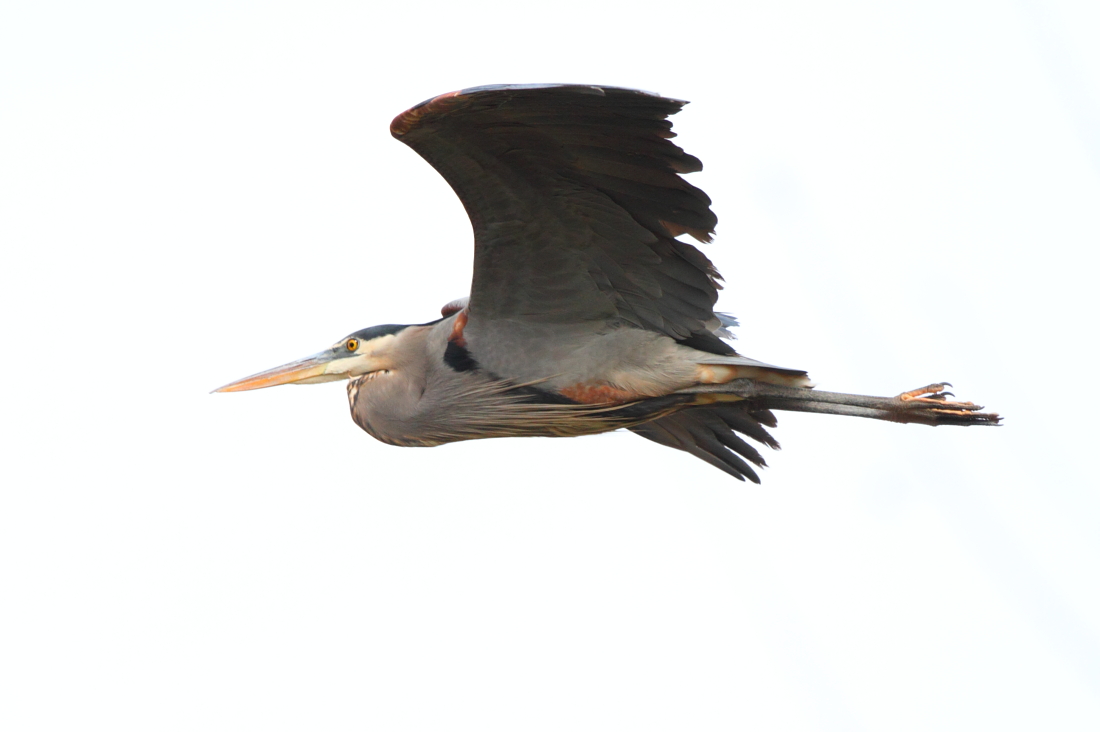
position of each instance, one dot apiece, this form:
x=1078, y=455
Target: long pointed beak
x=309, y=370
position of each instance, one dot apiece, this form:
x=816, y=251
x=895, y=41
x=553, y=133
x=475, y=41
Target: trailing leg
x=926, y=405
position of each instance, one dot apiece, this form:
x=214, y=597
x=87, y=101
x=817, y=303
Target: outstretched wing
x=575, y=197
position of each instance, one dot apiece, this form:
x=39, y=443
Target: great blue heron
x=586, y=313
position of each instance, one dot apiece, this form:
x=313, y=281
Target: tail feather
x=710, y=433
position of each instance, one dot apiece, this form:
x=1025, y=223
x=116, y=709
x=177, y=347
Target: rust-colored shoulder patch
x=598, y=394
x=457, y=336
x=454, y=306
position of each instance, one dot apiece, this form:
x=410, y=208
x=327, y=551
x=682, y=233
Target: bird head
x=363, y=352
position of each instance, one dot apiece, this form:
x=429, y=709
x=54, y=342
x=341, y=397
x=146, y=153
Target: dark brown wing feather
x=575, y=197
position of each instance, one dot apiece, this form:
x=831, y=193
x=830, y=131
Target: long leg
x=927, y=405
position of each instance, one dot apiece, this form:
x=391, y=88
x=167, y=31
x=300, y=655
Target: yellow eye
x=353, y=343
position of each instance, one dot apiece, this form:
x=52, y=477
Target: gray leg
x=927, y=405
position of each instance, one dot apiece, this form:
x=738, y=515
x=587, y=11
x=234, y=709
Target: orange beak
x=306, y=371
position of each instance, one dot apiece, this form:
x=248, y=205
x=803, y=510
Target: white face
x=355, y=357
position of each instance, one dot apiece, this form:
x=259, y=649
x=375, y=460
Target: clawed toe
x=931, y=401
x=934, y=389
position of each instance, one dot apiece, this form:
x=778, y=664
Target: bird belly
x=598, y=363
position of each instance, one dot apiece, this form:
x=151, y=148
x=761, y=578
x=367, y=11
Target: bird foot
x=930, y=405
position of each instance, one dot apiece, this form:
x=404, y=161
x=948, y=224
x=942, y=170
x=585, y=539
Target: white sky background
x=193, y=193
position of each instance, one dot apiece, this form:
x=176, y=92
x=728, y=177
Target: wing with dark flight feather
x=576, y=199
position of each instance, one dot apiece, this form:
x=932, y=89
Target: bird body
x=575, y=382
x=586, y=311
x=612, y=355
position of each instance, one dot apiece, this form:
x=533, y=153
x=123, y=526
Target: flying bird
x=587, y=313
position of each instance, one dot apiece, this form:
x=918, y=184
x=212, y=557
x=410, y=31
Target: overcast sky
x=193, y=192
